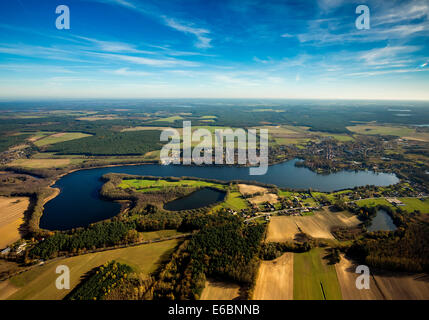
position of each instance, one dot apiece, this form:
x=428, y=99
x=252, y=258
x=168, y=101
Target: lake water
x=382, y=222
x=198, y=199
x=79, y=203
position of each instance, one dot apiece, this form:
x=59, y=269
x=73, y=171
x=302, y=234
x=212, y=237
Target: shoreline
x=58, y=190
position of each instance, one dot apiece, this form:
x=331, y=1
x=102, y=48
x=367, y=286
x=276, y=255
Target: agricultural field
x=314, y=278
x=60, y=137
x=234, y=201
x=267, y=197
x=39, y=135
x=410, y=204
x=39, y=282
x=248, y=189
x=40, y=163
x=217, y=290
x=399, y=131
x=169, y=119
x=383, y=286
x=141, y=128
x=99, y=117
x=275, y=279
x=263, y=195
x=11, y=218
x=318, y=225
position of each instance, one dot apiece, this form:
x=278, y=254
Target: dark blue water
x=198, y=199
x=78, y=203
x=382, y=222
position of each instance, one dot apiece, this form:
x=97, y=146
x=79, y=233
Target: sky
x=300, y=49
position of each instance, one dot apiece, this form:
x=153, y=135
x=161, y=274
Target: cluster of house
x=21, y=248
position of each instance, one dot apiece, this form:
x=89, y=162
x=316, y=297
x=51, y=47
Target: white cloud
x=387, y=55
x=168, y=62
x=203, y=41
x=128, y=72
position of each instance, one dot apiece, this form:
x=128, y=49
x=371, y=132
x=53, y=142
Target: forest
x=224, y=248
x=405, y=249
x=100, y=282
x=111, y=143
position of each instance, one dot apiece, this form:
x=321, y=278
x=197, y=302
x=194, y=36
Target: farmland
x=234, y=201
x=40, y=163
x=60, y=137
x=410, y=204
x=217, y=290
x=399, y=131
x=11, y=217
x=275, y=279
x=383, y=285
x=313, y=278
x=39, y=282
x=283, y=228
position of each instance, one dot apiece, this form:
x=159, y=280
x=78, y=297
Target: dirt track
x=275, y=279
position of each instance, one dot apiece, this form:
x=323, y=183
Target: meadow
x=146, y=185
x=60, y=137
x=39, y=282
x=410, y=204
x=313, y=278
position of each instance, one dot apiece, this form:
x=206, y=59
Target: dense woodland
x=111, y=143
x=405, y=249
x=100, y=282
x=224, y=248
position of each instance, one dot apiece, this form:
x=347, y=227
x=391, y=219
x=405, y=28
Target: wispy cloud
x=387, y=55
x=112, y=46
x=167, y=62
x=203, y=41
x=202, y=35
x=128, y=72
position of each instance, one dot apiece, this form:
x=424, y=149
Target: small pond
x=382, y=222
x=198, y=199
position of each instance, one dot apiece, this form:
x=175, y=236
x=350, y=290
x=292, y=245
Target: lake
x=198, y=199
x=382, y=222
x=79, y=203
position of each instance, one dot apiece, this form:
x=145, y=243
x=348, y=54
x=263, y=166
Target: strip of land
x=275, y=279
x=11, y=218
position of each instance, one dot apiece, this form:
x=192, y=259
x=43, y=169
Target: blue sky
x=214, y=49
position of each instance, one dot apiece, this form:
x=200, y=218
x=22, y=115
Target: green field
x=411, y=204
x=208, y=117
x=39, y=283
x=147, y=185
x=60, y=137
x=382, y=130
x=235, y=202
x=310, y=273
x=169, y=119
